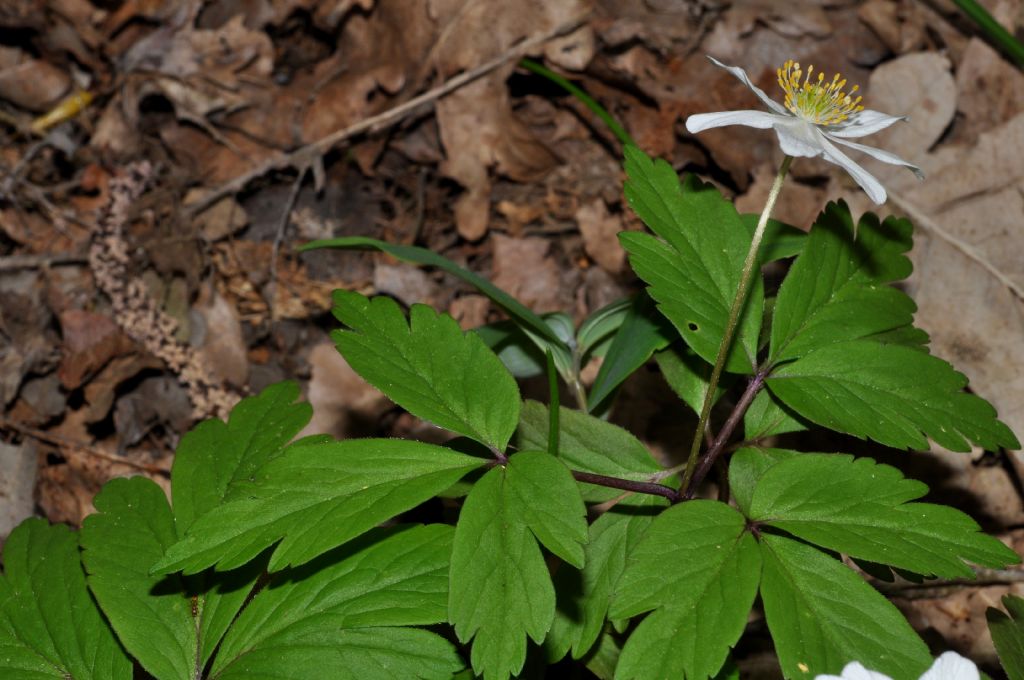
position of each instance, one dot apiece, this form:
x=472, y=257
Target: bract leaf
x=316, y=497
x=822, y=616
x=170, y=625
x=836, y=289
x=429, y=367
x=500, y=590
x=543, y=495
x=863, y=509
x=698, y=568
x=889, y=393
x=344, y=614
x=215, y=454
x=49, y=625
x=1008, y=635
x=694, y=272
x=589, y=444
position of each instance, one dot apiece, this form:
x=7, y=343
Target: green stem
x=553, y=406
x=749, y=268
x=994, y=30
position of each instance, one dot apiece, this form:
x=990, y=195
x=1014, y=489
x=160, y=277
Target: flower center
x=817, y=101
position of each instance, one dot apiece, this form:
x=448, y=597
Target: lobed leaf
x=698, y=568
x=584, y=595
x=344, y=615
x=694, y=272
x=429, y=367
x=214, y=454
x=863, y=509
x=889, y=393
x=49, y=625
x=170, y=625
x=766, y=417
x=1007, y=631
x=747, y=466
x=500, y=590
x=836, y=289
x=316, y=497
x=540, y=332
x=822, y=616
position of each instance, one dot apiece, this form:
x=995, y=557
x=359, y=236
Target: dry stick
x=967, y=249
x=57, y=440
x=13, y=262
x=304, y=156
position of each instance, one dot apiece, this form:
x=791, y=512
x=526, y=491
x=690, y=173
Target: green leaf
x=543, y=335
x=517, y=350
x=698, y=568
x=49, y=625
x=583, y=596
x=316, y=497
x=429, y=367
x=643, y=332
x=687, y=374
x=890, y=393
x=780, y=240
x=822, y=616
x=157, y=619
x=1008, y=635
x=602, y=324
x=694, y=272
x=746, y=468
x=861, y=508
x=543, y=494
x=342, y=615
x=836, y=290
x=589, y=444
x=767, y=417
x=215, y=454
x=500, y=589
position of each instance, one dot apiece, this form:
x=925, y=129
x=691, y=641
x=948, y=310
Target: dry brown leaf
x=991, y=90
x=344, y=405
x=91, y=340
x=32, y=84
x=523, y=269
x=221, y=343
x=600, y=231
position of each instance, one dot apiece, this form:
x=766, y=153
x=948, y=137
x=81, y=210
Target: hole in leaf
x=693, y=327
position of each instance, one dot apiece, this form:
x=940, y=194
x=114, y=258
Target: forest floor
x=268, y=123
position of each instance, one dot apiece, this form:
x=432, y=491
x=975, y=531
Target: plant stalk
x=750, y=267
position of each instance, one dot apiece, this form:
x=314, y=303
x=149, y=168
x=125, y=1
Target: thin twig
x=282, y=226
x=626, y=485
x=303, y=156
x=63, y=442
x=41, y=261
x=967, y=249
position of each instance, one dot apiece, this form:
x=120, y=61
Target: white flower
x=949, y=666
x=816, y=113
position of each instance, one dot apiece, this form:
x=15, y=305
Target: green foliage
x=428, y=366
x=862, y=509
x=889, y=393
x=49, y=625
x=700, y=602
x=314, y=497
x=271, y=561
x=822, y=616
x=1007, y=631
x=694, y=271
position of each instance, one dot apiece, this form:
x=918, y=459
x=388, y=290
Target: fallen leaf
x=600, y=235
x=523, y=269
x=344, y=405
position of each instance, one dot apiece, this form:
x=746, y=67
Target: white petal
x=754, y=119
x=855, y=671
x=742, y=76
x=879, y=154
x=951, y=666
x=865, y=123
x=798, y=138
x=871, y=186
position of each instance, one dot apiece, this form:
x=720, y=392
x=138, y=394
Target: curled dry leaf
x=32, y=84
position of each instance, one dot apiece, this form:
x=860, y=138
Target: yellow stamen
x=819, y=101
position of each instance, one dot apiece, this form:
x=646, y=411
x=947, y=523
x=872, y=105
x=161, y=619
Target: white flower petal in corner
x=952, y=666
x=949, y=666
x=855, y=671
x=815, y=111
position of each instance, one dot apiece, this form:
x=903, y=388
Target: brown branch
x=304, y=156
